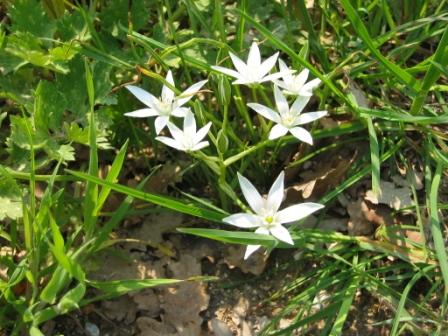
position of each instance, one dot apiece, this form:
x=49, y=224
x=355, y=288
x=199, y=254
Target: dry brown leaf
x=183, y=303
x=148, y=301
x=358, y=225
x=169, y=174
x=255, y=264
x=120, y=309
x=219, y=328
x=329, y=174
x=391, y=195
x=151, y=327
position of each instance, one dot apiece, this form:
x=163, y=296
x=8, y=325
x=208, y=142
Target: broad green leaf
x=10, y=196
x=29, y=16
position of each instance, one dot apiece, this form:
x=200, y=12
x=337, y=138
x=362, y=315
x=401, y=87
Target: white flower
x=267, y=218
x=288, y=119
x=254, y=71
x=296, y=84
x=187, y=140
x=168, y=105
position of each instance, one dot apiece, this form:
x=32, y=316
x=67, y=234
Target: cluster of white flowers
x=267, y=217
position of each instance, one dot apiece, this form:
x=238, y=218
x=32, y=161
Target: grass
x=64, y=66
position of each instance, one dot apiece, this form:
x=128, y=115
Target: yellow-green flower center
x=269, y=219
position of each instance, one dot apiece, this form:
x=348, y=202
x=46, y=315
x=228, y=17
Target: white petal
x=267, y=65
x=160, y=123
x=202, y=132
x=189, y=93
x=302, y=134
x=301, y=78
x=170, y=142
x=200, y=145
x=245, y=81
x=227, y=71
x=250, y=249
x=272, y=77
x=243, y=220
x=309, y=117
x=180, y=112
x=251, y=194
x=280, y=83
x=167, y=93
x=287, y=77
x=262, y=230
x=275, y=195
x=240, y=66
x=299, y=104
x=254, y=58
x=297, y=212
x=311, y=85
x=189, y=125
x=144, y=96
x=177, y=134
x=142, y=113
x=280, y=101
x=265, y=111
x=282, y=234
x=277, y=131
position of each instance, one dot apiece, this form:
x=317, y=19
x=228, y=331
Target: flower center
x=187, y=142
x=269, y=219
x=288, y=119
x=164, y=108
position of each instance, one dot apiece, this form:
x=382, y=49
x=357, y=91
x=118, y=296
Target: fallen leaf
x=151, y=327
x=234, y=257
x=219, y=328
x=358, y=225
x=391, y=195
x=120, y=309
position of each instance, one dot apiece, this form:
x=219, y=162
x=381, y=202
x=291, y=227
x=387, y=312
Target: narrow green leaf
x=120, y=287
x=164, y=201
x=363, y=33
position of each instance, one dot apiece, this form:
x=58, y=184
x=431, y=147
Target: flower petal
x=275, y=195
x=277, y=131
x=170, y=142
x=272, y=77
x=254, y=58
x=202, y=132
x=281, y=233
x=250, y=249
x=287, y=77
x=177, y=134
x=306, y=118
x=300, y=79
x=243, y=220
x=265, y=111
x=252, y=196
x=180, y=112
x=299, y=104
x=189, y=93
x=240, y=66
x=167, y=93
x=280, y=101
x=189, y=125
x=311, y=85
x=200, y=145
x=302, y=134
x=142, y=113
x=267, y=65
x=227, y=71
x=297, y=212
x=160, y=123
x=144, y=96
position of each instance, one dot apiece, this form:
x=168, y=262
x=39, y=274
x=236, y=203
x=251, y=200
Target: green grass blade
x=363, y=33
x=111, y=177
x=374, y=157
x=164, y=201
x=436, y=230
x=91, y=192
x=432, y=75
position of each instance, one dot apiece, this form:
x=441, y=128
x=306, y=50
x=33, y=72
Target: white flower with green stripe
x=267, y=217
x=288, y=119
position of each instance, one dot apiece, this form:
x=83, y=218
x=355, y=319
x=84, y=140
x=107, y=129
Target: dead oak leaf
x=391, y=195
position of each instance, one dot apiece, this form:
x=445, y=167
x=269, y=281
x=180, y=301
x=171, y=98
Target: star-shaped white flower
x=165, y=107
x=296, y=84
x=287, y=118
x=254, y=71
x=187, y=140
x=267, y=218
